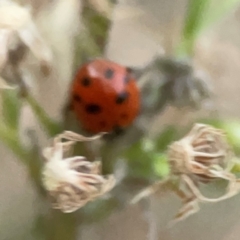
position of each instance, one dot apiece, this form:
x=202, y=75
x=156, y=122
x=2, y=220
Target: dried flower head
x=203, y=153
x=202, y=156
x=12, y=15
x=72, y=181
x=16, y=23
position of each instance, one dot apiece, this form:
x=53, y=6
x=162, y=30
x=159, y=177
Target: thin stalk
x=152, y=223
x=51, y=127
x=10, y=138
x=200, y=15
x=218, y=9
x=193, y=20
x=61, y=226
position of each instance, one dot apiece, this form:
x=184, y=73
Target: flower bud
x=202, y=154
x=74, y=181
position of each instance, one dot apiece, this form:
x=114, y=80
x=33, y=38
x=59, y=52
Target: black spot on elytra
x=77, y=98
x=86, y=81
x=109, y=73
x=122, y=97
x=93, y=108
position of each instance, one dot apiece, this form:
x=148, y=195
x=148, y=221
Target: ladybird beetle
x=104, y=96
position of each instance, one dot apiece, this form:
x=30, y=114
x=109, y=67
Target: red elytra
x=104, y=96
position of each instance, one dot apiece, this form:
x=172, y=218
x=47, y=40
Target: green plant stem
x=91, y=43
x=201, y=14
x=51, y=127
x=10, y=138
x=10, y=107
x=61, y=226
x=217, y=10
x=95, y=212
x=193, y=20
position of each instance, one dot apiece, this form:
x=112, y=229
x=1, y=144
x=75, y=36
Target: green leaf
x=146, y=157
x=195, y=15
x=139, y=159
x=10, y=107
x=160, y=165
x=169, y=135
x=232, y=129
x=201, y=15
x=193, y=21
x=216, y=11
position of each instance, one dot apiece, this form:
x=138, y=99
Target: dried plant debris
x=16, y=23
x=185, y=85
x=72, y=182
x=202, y=156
